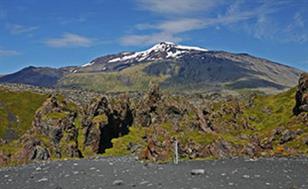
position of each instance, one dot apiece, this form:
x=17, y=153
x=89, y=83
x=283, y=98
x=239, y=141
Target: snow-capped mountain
x=160, y=51
x=173, y=66
x=163, y=50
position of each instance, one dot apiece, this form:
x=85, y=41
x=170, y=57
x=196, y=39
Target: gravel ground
x=127, y=173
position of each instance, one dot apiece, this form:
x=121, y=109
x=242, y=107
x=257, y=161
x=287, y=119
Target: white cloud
x=182, y=25
x=263, y=22
x=267, y=27
x=8, y=53
x=16, y=29
x=173, y=26
x=257, y=19
x=70, y=40
x=296, y=30
x=149, y=39
x=169, y=29
x=299, y=20
x=177, y=6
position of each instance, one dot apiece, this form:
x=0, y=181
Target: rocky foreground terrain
x=269, y=134
x=248, y=141
x=129, y=173
x=147, y=126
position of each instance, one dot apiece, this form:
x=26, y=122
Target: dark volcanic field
x=128, y=173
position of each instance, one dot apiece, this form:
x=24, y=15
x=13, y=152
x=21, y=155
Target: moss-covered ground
x=17, y=111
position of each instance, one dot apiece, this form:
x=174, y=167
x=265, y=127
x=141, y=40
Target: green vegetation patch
x=128, y=143
x=130, y=79
x=55, y=115
x=17, y=110
x=269, y=112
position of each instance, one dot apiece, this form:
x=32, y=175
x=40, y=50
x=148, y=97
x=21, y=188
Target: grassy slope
x=130, y=79
x=281, y=115
x=21, y=106
x=136, y=78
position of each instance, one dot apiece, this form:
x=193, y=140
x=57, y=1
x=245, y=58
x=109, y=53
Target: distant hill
x=174, y=67
x=37, y=76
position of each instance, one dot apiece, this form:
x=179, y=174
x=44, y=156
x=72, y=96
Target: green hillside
x=17, y=111
x=188, y=76
x=130, y=79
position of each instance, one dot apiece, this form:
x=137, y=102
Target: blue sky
x=72, y=32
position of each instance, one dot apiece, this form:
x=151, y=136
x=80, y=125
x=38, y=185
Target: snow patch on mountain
x=191, y=48
x=88, y=64
x=170, y=49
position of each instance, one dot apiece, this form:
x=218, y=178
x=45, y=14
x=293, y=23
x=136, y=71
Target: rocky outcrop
x=302, y=95
x=277, y=142
x=163, y=114
x=157, y=150
x=105, y=121
x=218, y=148
x=61, y=130
x=33, y=149
x=55, y=120
x=155, y=109
x=203, y=128
x=146, y=112
x=95, y=119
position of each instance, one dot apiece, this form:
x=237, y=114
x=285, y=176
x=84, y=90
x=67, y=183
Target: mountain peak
x=163, y=46
x=159, y=51
x=166, y=45
x=162, y=50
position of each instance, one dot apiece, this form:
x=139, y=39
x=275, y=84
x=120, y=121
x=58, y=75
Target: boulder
x=221, y=149
x=197, y=172
x=267, y=142
x=287, y=136
x=117, y=182
x=39, y=153
x=251, y=150
x=33, y=149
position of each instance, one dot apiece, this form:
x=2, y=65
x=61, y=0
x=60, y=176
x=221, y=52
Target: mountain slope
x=234, y=71
x=160, y=51
x=181, y=68
x=130, y=79
x=174, y=67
